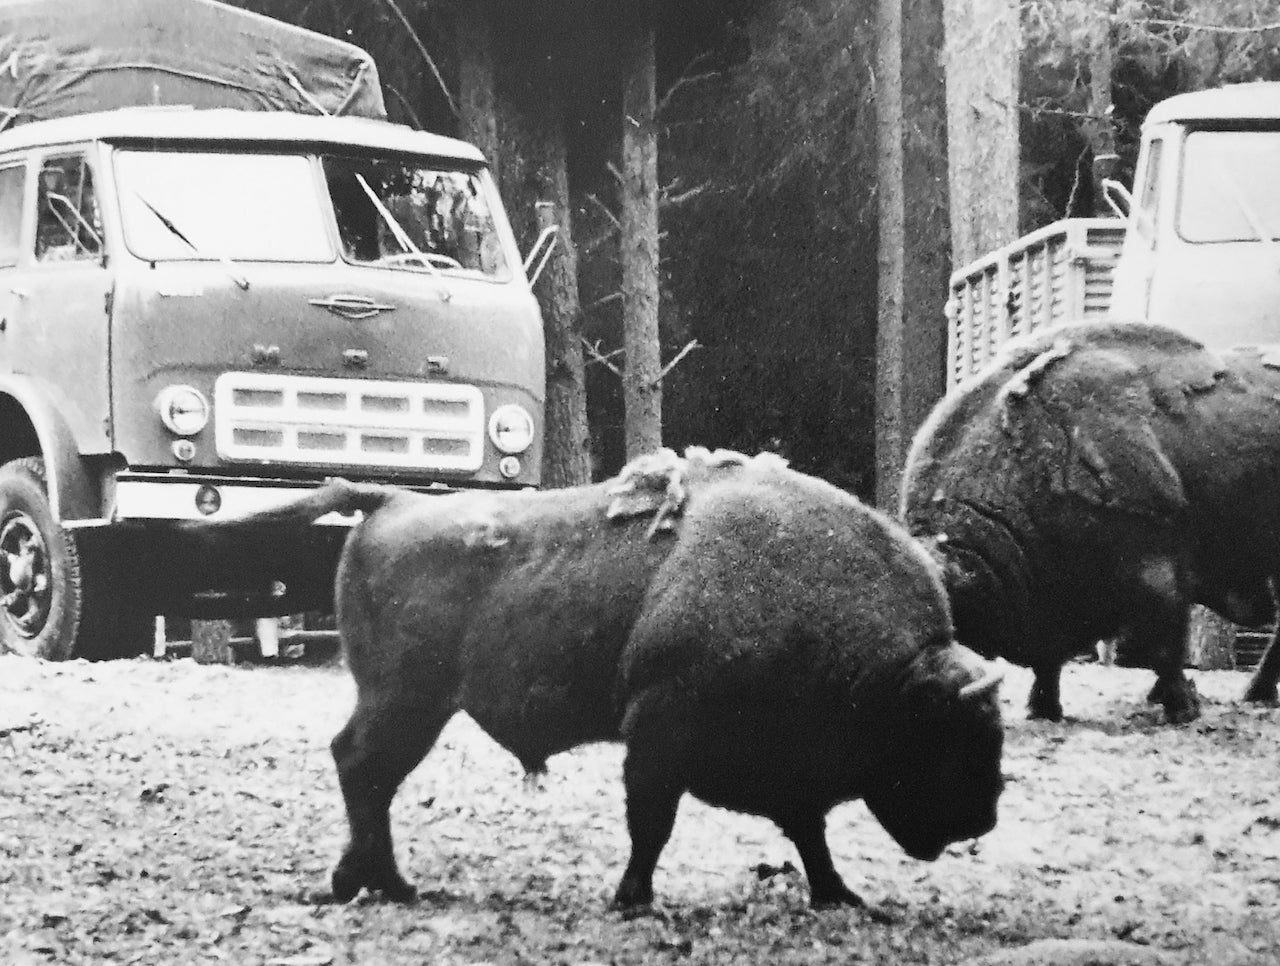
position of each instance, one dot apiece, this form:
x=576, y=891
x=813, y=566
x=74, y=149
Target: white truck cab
x=1195, y=247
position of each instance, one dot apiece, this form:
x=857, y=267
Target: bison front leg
x=379, y=746
x=1262, y=686
x=808, y=832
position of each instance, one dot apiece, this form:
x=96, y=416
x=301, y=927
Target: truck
x=225, y=276
x=1194, y=246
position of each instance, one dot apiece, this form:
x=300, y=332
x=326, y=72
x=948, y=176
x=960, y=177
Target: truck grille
x=265, y=417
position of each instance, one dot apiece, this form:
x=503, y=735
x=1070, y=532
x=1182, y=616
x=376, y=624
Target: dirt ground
x=168, y=812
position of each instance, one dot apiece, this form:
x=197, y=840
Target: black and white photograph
x=637, y=482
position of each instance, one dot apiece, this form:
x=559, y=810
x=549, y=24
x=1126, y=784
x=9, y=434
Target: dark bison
x=756, y=637
x=1094, y=482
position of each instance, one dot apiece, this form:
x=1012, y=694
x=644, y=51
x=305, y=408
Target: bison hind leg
x=655, y=777
x=1044, y=702
x=374, y=752
x=1262, y=686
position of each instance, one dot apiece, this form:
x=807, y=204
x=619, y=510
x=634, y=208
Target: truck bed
x=1061, y=272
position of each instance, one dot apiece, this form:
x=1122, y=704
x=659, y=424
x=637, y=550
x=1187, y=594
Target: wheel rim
x=25, y=580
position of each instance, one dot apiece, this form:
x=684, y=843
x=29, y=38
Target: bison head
x=941, y=779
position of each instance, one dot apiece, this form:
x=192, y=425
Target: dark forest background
x=767, y=161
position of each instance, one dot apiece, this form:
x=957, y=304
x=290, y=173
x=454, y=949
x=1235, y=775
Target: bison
x=755, y=636
x=1094, y=482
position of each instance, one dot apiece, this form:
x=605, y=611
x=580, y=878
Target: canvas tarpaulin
x=64, y=57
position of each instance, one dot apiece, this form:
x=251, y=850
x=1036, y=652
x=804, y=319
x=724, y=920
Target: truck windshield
x=1229, y=188
x=414, y=216
x=192, y=205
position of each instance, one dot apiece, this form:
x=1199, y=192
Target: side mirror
x=1117, y=197
x=546, y=239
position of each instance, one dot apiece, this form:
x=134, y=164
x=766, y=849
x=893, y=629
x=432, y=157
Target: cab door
x=56, y=299
x=13, y=183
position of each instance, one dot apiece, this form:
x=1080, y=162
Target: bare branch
x=408, y=108
x=613, y=170
x=595, y=200
x=1075, y=184
x=667, y=199
x=1206, y=27
x=426, y=56
x=685, y=80
x=695, y=344
x=593, y=351
x=605, y=300
x=591, y=244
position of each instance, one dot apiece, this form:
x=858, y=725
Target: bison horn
x=987, y=683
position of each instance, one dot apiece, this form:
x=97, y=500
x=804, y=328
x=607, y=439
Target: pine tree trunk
x=535, y=186
x=642, y=388
x=477, y=93
x=914, y=263
x=567, y=455
x=1099, y=128
x=983, y=43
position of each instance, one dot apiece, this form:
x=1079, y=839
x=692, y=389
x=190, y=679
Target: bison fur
x=1094, y=482
x=755, y=636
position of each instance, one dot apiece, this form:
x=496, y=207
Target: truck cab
x=1202, y=249
x=1196, y=246
x=203, y=311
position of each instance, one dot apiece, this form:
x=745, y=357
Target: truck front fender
x=33, y=426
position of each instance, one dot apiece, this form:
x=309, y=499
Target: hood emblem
x=353, y=307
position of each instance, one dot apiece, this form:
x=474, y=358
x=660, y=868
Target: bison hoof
x=836, y=896
x=348, y=879
x=1182, y=704
x=1262, y=695
x=632, y=893
x=1044, y=710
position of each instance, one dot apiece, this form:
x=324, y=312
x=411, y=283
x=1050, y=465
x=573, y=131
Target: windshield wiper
x=177, y=232
x=401, y=236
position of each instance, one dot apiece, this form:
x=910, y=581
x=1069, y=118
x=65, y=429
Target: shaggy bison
x=1096, y=481
x=756, y=637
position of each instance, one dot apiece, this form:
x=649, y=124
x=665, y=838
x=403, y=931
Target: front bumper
x=140, y=497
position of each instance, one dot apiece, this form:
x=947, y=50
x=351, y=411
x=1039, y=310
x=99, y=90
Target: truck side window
x=1149, y=201
x=13, y=181
x=69, y=226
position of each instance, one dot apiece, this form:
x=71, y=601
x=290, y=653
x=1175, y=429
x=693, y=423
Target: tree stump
x=1211, y=641
x=211, y=642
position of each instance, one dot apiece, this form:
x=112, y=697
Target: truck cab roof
x=186, y=124
x=1258, y=101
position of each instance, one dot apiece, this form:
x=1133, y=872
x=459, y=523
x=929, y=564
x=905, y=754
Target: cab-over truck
x=225, y=277
x=1196, y=246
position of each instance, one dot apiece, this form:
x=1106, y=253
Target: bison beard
x=1096, y=481
x=755, y=636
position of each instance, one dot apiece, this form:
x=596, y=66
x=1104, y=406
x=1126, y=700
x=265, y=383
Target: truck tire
x=41, y=594
x=51, y=606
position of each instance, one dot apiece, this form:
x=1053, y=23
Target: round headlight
x=511, y=429
x=183, y=410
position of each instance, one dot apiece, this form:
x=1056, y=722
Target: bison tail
x=337, y=495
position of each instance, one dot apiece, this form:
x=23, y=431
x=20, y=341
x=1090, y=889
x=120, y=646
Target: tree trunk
x=477, y=91
x=911, y=337
x=983, y=43
x=535, y=184
x=641, y=385
x=1099, y=128
x=1211, y=641
x=567, y=455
